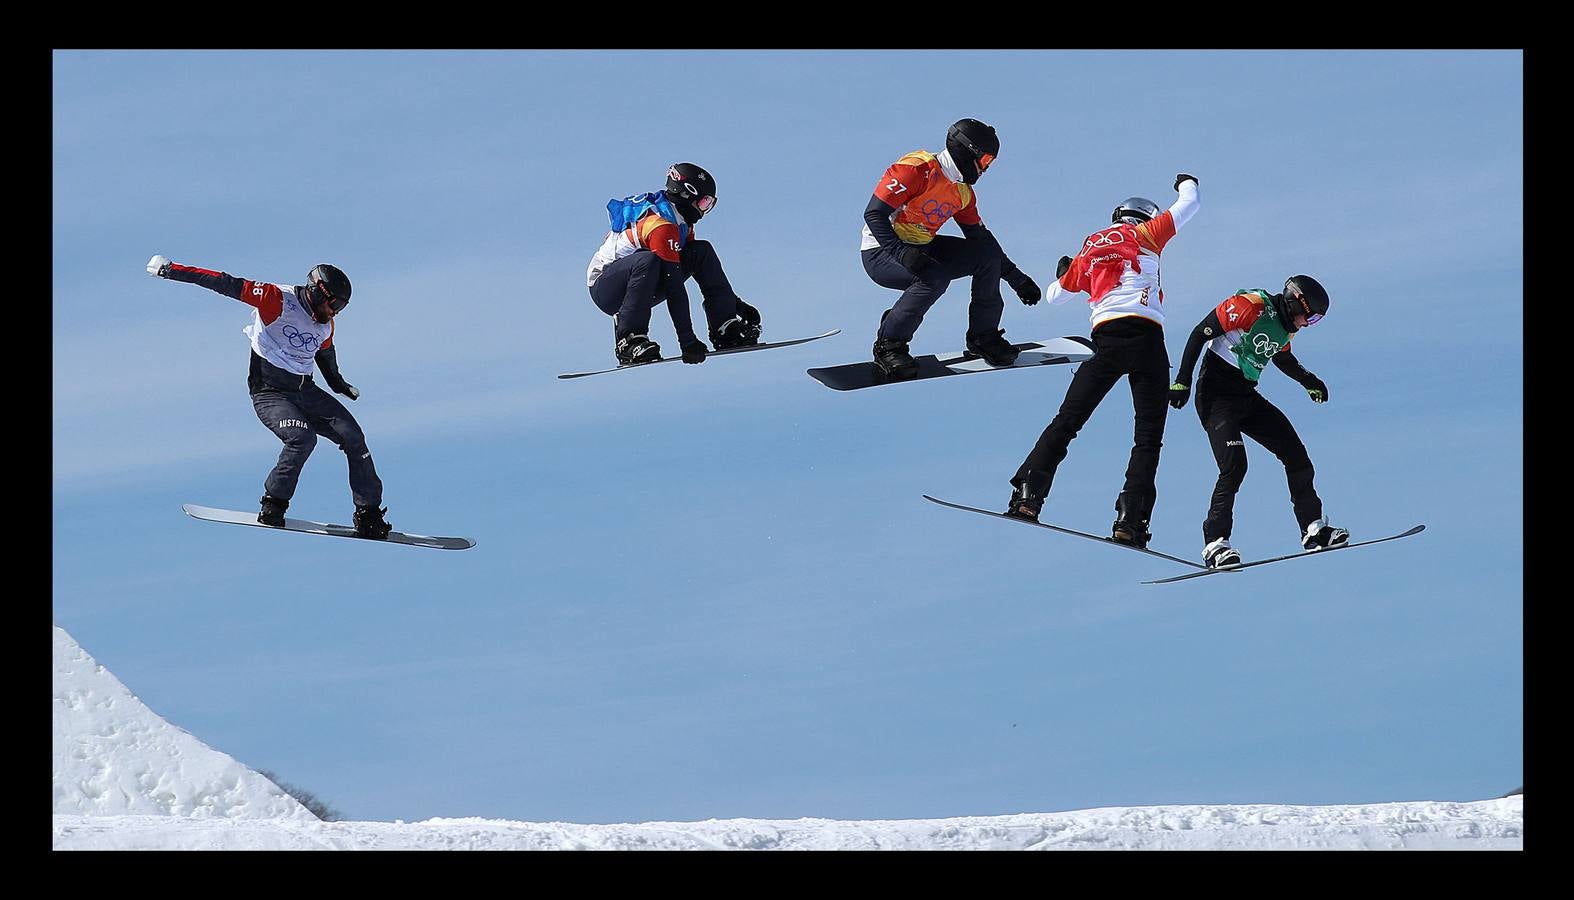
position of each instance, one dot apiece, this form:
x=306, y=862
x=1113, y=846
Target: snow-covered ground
x=124, y=779
x=1482, y=825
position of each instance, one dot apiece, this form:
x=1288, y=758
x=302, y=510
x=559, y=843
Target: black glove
x=694, y=352
x=914, y=259
x=1184, y=177
x=1315, y=388
x=1062, y=266
x=347, y=389
x=1026, y=289
x=1179, y=394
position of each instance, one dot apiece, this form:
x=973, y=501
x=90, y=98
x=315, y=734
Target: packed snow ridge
x=115, y=757
x=124, y=779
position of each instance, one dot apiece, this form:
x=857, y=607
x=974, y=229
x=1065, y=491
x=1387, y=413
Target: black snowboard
x=679, y=358
x=858, y=375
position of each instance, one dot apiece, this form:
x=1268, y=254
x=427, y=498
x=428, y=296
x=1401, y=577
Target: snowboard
x=1301, y=555
x=232, y=517
x=1071, y=531
x=679, y=358
x=859, y=375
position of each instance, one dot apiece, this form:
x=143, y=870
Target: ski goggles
x=985, y=161
x=1306, y=309
x=329, y=301
x=705, y=204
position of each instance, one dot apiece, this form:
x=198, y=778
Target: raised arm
x=265, y=297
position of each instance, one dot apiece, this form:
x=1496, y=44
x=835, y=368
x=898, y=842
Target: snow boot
x=1027, y=498
x=993, y=347
x=369, y=522
x=893, y=360
x=1320, y=535
x=1130, y=527
x=635, y=349
x=1219, y=554
x=737, y=331
x=272, y=512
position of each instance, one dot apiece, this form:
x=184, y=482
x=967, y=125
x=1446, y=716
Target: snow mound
x=115, y=757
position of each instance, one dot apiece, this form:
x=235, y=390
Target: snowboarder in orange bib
x=917, y=195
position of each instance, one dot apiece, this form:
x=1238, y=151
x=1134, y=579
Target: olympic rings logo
x=298, y=339
x=1106, y=239
x=936, y=213
x=1264, y=345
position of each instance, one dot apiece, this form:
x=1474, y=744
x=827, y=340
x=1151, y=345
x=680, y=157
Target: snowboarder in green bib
x=1244, y=334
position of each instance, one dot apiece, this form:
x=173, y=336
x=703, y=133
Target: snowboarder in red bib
x=901, y=250
x=291, y=330
x=1118, y=268
x=646, y=257
x=1243, y=335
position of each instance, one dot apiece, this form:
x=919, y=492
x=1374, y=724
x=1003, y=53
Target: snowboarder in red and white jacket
x=291, y=331
x=1118, y=268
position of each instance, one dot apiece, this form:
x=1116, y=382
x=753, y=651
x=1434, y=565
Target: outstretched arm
x=1286, y=362
x=1020, y=281
x=228, y=285
x=1188, y=201
x=265, y=297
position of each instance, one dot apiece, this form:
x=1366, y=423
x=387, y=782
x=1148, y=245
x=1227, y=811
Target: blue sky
x=714, y=591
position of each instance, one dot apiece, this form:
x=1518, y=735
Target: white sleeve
x=1056, y=294
x=1187, y=204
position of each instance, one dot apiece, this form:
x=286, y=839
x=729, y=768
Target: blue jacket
x=627, y=211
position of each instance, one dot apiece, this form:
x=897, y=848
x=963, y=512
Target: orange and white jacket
x=1118, y=266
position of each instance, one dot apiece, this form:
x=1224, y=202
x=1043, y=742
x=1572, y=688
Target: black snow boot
x=749, y=313
x=993, y=347
x=1131, y=526
x=369, y=522
x=737, y=331
x=635, y=349
x=893, y=360
x=272, y=512
x=1026, y=500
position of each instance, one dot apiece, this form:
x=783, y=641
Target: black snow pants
x=1231, y=409
x=1129, y=346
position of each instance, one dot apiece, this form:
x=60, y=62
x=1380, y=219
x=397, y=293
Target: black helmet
x=973, y=146
x=1302, y=295
x=1135, y=211
x=327, y=291
x=691, y=190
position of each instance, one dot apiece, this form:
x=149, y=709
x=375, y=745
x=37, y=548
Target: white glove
x=158, y=266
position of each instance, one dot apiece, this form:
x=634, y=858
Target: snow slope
x=114, y=757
